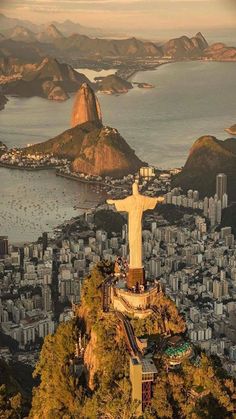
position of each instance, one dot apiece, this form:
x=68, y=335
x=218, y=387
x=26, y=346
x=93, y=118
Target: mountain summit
x=209, y=156
x=91, y=147
x=50, y=34
x=86, y=106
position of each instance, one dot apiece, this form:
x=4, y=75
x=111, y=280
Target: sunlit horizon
x=150, y=18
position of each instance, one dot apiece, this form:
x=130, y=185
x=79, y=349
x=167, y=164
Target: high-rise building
x=212, y=211
x=47, y=298
x=225, y=201
x=195, y=196
x=3, y=245
x=205, y=206
x=45, y=241
x=221, y=185
x=218, y=211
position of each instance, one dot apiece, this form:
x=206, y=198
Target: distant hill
x=20, y=34
x=97, y=47
x=231, y=130
x=67, y=27
x=220, y=52
x=114, y=84
x=25, y=51
x=9, y=23
x=53, y=41
x=208, y=157
x=185, y=47
x=48, y=78
x=49, y=35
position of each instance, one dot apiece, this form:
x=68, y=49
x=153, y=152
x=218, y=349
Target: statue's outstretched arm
x=120, y=204
x=111, y=201
x=150, y=203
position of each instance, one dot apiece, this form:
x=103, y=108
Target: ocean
x=190, y=99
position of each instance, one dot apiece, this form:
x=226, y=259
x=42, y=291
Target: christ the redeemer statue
x=135, y=205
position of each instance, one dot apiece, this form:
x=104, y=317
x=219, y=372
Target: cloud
x=162, y=14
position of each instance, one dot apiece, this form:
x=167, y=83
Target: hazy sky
x=128, y=15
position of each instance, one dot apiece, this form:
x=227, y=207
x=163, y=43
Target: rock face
x=184, y=47
x=54, y=92
x=231, y=130
x=86, y=107
x=208, y=157
x=93, y=149
x=114, y=84
x=106, y=154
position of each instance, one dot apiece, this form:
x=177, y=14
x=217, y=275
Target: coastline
x=28, y=169
x=91, y=182
x=152, y=67
x=128, y=75
x=60, y=174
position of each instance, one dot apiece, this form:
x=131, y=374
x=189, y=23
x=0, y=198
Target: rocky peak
x=86, y=106
x=50, y=34
x=202, y=39
x=53, y=31
x=20, y=33
x=209, y=156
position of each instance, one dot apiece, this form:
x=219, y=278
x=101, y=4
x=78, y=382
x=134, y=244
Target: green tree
x=59, y=393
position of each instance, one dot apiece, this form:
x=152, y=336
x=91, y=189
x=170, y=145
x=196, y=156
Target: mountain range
x=67, y=27
x=209, y=156
x=25, y=71
x=48, y=78
x=23, y=43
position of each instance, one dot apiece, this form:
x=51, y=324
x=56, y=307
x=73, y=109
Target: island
x=231, y=130
x=113, y=84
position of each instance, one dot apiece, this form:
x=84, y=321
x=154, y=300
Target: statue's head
x=135, y=188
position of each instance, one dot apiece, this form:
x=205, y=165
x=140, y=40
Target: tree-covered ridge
x=193, y=392
x=107, y=393
x=12, y=403
x=106, y=355
x=196, y=390
x=59, y=394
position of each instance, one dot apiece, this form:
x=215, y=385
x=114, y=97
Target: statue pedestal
x=135, y=278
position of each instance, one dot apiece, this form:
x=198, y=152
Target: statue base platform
x=135, y=278
x=136, y=304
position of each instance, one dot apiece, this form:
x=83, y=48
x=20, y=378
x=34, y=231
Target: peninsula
x=91, y=147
